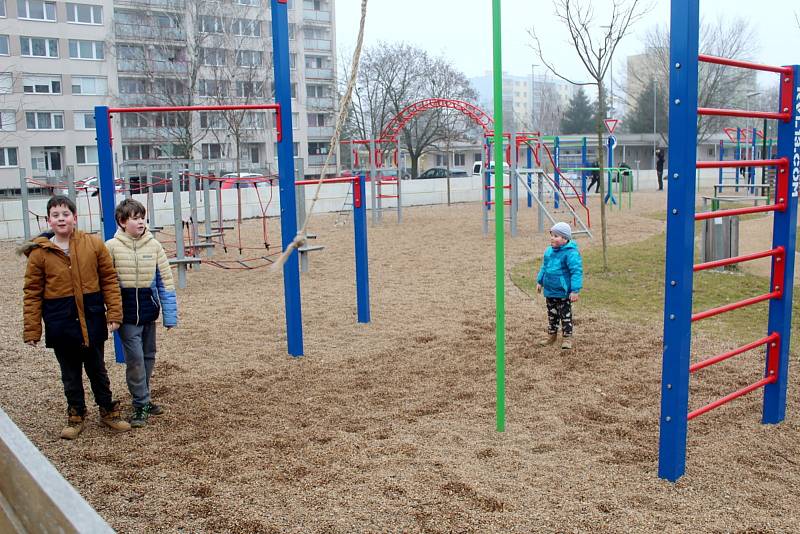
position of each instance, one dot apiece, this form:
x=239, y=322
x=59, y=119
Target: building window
x=314, y=5
x=3, y=45
x=8, y=156
x=254, y=120
x=84, y=120
x=318, y=62
x=440, y=160
x=36, y=10
x=318, y=148
x=6, y=83
x=212, y=151
x=477, y=156
x=134, y=120
x=43, y=85
x=249, y=58
x=89, y=85
x=38, y=47
x=318, y=91
x=212, y=120
x=459, y=160
x=317, y=119
x=84, y=13
x=213, y=88
x=3, y=9
x=135, y=151
x=44, y=120
x=132, y=86
x=86, y=155
x=245, y=27
x=249, y=89
x=86, y=49
x=211, y=24
x=295, y=145
x=8, y=120
x=248, y=2
x=212, y=56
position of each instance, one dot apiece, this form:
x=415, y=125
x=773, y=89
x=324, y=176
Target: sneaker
x=75, y=422
x=551, y=339
x=567, y=343
x=155, y=409
x=139, y=417
x=111, y=418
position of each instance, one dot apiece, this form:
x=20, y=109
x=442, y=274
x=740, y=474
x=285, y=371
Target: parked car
x=89, y=185
x=441, y=172
x=477, y=168
x=244, y=180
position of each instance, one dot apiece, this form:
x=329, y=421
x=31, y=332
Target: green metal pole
x=499, y=222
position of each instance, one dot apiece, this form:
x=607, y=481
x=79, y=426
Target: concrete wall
x=332, y=198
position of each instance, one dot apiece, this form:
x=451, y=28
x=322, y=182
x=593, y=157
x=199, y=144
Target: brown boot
x=75, y=418
x=567, y=343
x=112, y=419
x=551, y=339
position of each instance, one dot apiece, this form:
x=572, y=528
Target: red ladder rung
x=736, y=305
x=736, y=394
x=780, y=162
x=731, y=353
x=777, y=251
x=739, y=211
x=705, y=58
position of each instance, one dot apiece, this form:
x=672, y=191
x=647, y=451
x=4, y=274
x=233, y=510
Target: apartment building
x=60, y=59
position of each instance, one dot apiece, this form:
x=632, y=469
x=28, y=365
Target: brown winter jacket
x=75, y=295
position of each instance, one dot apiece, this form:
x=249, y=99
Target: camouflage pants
x=559, y=310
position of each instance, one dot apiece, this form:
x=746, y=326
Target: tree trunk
x=414, y=164
x=601, y=113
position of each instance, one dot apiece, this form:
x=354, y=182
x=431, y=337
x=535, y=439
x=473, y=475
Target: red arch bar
x=392, y=130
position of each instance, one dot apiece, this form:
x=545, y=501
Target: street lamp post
x=655, y=130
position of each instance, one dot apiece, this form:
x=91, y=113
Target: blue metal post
x=751, y=171
x=556, y=173
x=105, y=165
x=362, y=258
x=487, y=178
x=784, y=231
x=738, y=155
x=529, y=165
x=721, y=158
x=684, y=30
x=610, y=193
x=283, y=97
x=584, y=164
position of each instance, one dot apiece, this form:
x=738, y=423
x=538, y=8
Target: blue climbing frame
x=681, y=217
x=283, y=109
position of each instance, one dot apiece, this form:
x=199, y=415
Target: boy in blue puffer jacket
x=145, y=279
x=561, y=276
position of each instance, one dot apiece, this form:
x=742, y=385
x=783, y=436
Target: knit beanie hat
x=562, y=229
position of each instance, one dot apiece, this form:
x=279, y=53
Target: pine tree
x=579, y=115
x=640, y=118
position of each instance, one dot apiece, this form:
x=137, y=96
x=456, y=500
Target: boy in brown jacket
x=70, y=282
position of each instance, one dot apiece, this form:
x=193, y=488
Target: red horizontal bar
x=742, y=113
x=777, y=251
x=739, y=211
x=735, y=305
x=725, y=355
x=341, y=180
x=705, y=58
x=742, y=163
x=155, y=109
x=707, y=408
x=386, y=196
x=492, y=203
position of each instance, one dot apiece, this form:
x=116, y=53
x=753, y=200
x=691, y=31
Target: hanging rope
x=299, y=239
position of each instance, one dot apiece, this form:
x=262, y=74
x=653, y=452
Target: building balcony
x=319, y=161
x=319, y=74
x=325, y=132
x=318, y=44
x=319, y=103
x=137, y=32
x=317, y=16
x=158, y=4
x=142, y=66
x=151, y=133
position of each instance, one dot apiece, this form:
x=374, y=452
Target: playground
x=389, y=426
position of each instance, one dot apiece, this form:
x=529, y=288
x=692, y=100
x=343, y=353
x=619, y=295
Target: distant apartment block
x=60, y=59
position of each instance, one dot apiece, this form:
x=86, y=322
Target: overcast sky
x=461, y=30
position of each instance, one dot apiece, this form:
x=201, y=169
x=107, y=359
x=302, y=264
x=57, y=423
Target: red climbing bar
x=731, y=353
x=739, y=211
x=781, y=162
x=778, y=251
x=743, y=113
x=340, y=180
x=705, y=58
x=744, y=391
x=736, y=305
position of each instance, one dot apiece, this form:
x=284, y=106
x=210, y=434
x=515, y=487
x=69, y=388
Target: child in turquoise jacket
x=561, y=278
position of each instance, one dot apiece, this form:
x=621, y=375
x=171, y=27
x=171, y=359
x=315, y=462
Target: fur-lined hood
x=41, y=240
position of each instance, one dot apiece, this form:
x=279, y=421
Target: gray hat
x=562, y=229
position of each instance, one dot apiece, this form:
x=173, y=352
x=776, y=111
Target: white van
x=477, y=168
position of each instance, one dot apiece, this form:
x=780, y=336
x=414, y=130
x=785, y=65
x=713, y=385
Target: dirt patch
x=389, y=427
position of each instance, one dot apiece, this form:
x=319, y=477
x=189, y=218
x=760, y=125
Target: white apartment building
x=533, y=102
x=60, y=59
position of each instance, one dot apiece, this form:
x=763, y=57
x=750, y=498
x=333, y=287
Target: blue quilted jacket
x=562, y=271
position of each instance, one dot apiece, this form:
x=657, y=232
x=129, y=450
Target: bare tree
x=391, y=77
x=596, y=55
x=719, y=86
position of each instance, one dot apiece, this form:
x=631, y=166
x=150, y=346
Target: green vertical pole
x=499, y=221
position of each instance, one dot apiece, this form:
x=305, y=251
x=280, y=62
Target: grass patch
x=633, y=289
